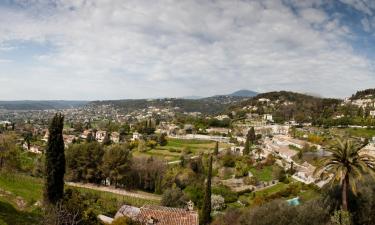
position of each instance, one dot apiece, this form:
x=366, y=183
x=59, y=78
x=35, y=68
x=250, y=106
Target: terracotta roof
x=168, y=216
x=160, y=215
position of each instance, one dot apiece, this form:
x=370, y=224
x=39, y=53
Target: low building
x=136, y=136
x=115, y=137
x=238, y=150
x=305, y=173
x=100, y=135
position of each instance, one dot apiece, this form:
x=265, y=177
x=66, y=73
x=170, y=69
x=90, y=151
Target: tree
x=246, y=149
x=107, y=139
x=206, y=210
x=55, y=161
x=90, y=137
x=116, y=164
x=258, y=151
x=163, y=139
x=348, y=164
x=251, y=135
x=83, y=162
x=216, y=149
x=27, y=138
x=10, y=155
x=174, y=197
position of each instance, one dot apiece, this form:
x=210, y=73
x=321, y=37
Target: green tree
x=83, y=162
x=107, y=139
x=251, y=135
x=246, y=150
x=163, y=139
x=206, y=210
x=28, y=136
x=174, y=197
x=216, y=149
x=348, y=165
x=55, y=161
x=116, y=164
x=258, y=151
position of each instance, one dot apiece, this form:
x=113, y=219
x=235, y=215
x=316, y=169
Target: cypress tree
x=246, y=150
x=216, y=150
x=206, y=210
x=251, y=135
x=55, y=161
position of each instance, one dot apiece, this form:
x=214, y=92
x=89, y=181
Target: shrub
x=228, y=195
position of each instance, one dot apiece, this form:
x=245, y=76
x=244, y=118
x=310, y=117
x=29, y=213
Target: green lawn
x=361, y=132
x=9, y=215
x=29, y=188
x=264, y=174
x=274, y=189
x=108, y=196
x=175, y=147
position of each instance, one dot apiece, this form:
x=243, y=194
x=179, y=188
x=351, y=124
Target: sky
x=121, y=49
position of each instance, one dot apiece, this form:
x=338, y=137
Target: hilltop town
x=153, y=158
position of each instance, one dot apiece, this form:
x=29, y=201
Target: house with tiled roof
x=158, y=215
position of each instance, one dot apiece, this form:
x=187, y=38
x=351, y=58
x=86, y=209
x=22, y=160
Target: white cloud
x=140, y=48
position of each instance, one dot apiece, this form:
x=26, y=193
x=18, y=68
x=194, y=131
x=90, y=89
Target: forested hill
x=285, y=105
x=40, y=105
x=364, y=94
x=210, y=105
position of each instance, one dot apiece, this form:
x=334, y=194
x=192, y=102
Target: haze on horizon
x=124, y=49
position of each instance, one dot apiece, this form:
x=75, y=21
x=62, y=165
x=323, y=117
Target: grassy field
x=14, y=187
x=356, y=132
x=264, y=174
x=175, y=147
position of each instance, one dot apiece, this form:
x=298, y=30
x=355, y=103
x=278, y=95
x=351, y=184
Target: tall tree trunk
x=345, y=193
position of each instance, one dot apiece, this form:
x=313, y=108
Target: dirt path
x=135, y=194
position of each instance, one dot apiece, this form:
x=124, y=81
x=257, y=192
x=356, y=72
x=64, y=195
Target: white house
x=136, y=136
x=100, y=135
x=115, y=137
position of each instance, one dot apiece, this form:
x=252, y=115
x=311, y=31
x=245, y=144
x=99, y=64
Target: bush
x=228, y=195
x=217, y=202
x=174, y=197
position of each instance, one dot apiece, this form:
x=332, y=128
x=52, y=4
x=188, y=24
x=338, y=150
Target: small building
x=238, y=150
x=268, y=117
x=100, y=135
x=136, y=136
x=115, y=137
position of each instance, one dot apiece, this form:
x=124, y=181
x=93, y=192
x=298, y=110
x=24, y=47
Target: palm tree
x=347, y=163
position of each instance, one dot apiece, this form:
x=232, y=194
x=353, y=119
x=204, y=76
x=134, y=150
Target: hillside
x=40, y=105
x=364, y=94
x=210, y=105
x=285, y=105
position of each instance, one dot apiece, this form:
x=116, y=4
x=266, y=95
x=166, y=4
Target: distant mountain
x=244, y=93
x=40, y=105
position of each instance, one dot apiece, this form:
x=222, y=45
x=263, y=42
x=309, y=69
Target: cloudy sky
x=116, y=49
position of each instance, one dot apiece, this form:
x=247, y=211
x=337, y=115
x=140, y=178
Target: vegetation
x=55, y=161
x=348, y=165
x=206, y=210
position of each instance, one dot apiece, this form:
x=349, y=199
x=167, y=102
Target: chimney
x=190, y=206
x=151, y=221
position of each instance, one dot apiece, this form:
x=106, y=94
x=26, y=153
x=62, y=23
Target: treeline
x=211, y=105
x=363, y=94
x=113, y=165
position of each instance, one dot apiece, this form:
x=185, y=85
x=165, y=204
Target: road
x=135, y=194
